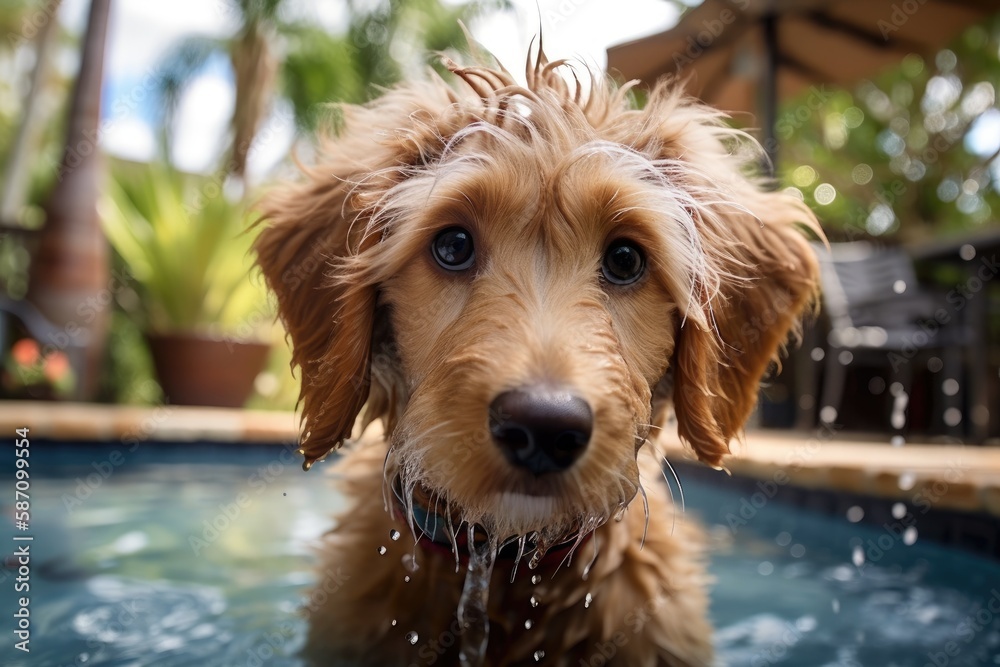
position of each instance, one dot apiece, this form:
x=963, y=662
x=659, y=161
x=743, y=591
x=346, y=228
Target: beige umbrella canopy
x=744, y=55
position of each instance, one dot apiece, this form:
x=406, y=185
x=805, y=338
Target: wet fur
x=544, y=176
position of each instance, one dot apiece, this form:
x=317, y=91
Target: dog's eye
x=453, y=249
x=623, y=262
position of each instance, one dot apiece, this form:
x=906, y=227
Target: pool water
x=200, y=556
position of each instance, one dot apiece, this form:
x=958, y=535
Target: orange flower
x=25, y=352
x=56, y=366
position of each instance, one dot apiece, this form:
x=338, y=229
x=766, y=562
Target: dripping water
x=544, y=540
x=472, y=614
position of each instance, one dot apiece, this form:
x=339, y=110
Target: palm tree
x=272, y=50
x=30, y=129
x=70, y=267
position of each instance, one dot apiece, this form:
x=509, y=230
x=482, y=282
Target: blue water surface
x=200, y=555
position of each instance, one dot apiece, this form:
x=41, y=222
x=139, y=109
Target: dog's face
x=533, y=314
x=507, y=281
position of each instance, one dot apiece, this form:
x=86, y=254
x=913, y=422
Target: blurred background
x=172, y=524
x=135, y=137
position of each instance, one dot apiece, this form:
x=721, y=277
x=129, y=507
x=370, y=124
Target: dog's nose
x=542, y=431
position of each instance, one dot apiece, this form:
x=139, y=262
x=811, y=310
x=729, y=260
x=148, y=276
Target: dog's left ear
x=768, y=276
x=755, y=275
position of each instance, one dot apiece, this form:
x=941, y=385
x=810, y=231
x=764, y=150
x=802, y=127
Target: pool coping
x=965, y=478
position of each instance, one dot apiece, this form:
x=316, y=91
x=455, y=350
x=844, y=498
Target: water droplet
x=393, y=534
x=897, y=441
x=536, y=578
x=539, y=655
x=587, y=601
x=898, y=510
x=797, y=551
x=910, y=535
x=410, y=563
x=855, y=513
x=858, y=556
x=382, y=550
x=783, y=539
x=406, y=579
x=533, y=601
x=620, y=514
x=835, y=604
x=284, y=494
x=393, y=622
x=765, y=568
x=412, y=637
x=527, y=624
x=906, y=481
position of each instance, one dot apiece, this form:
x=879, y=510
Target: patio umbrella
x=745, y=55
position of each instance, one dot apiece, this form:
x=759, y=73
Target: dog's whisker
x=452, y=530
x=386, y=485
x=593, y=559
x=670, y=494
x=587, y=526
x=437, y=499
x=408, y=503
x=521, y=539
x=680, y=487
x=521, y=543
x=651, y=426
x=645, y=509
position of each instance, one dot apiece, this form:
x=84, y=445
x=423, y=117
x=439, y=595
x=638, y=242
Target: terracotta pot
x=197, y=370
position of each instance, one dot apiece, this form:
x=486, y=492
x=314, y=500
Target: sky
x=141, y=32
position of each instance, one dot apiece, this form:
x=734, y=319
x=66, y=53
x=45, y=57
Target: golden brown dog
x=516, y=280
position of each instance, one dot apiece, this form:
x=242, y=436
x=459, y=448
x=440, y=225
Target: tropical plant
x=187, y=248
x=905, y=155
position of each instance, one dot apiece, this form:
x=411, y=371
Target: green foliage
x=128, y=376
x=186, y=246
x=892, y=158
x=381, y=42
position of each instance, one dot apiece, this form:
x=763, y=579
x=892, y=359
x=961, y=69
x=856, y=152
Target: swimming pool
x=198, y=555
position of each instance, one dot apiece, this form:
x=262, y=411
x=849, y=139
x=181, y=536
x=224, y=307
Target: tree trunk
x=69, y=278
x=256, y=71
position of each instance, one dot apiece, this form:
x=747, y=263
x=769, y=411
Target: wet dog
x=518, y=282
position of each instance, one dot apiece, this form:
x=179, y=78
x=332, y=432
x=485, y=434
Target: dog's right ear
x=319, y=250
x=301, y=251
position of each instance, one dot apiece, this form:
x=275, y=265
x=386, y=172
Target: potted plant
x=187, y=250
